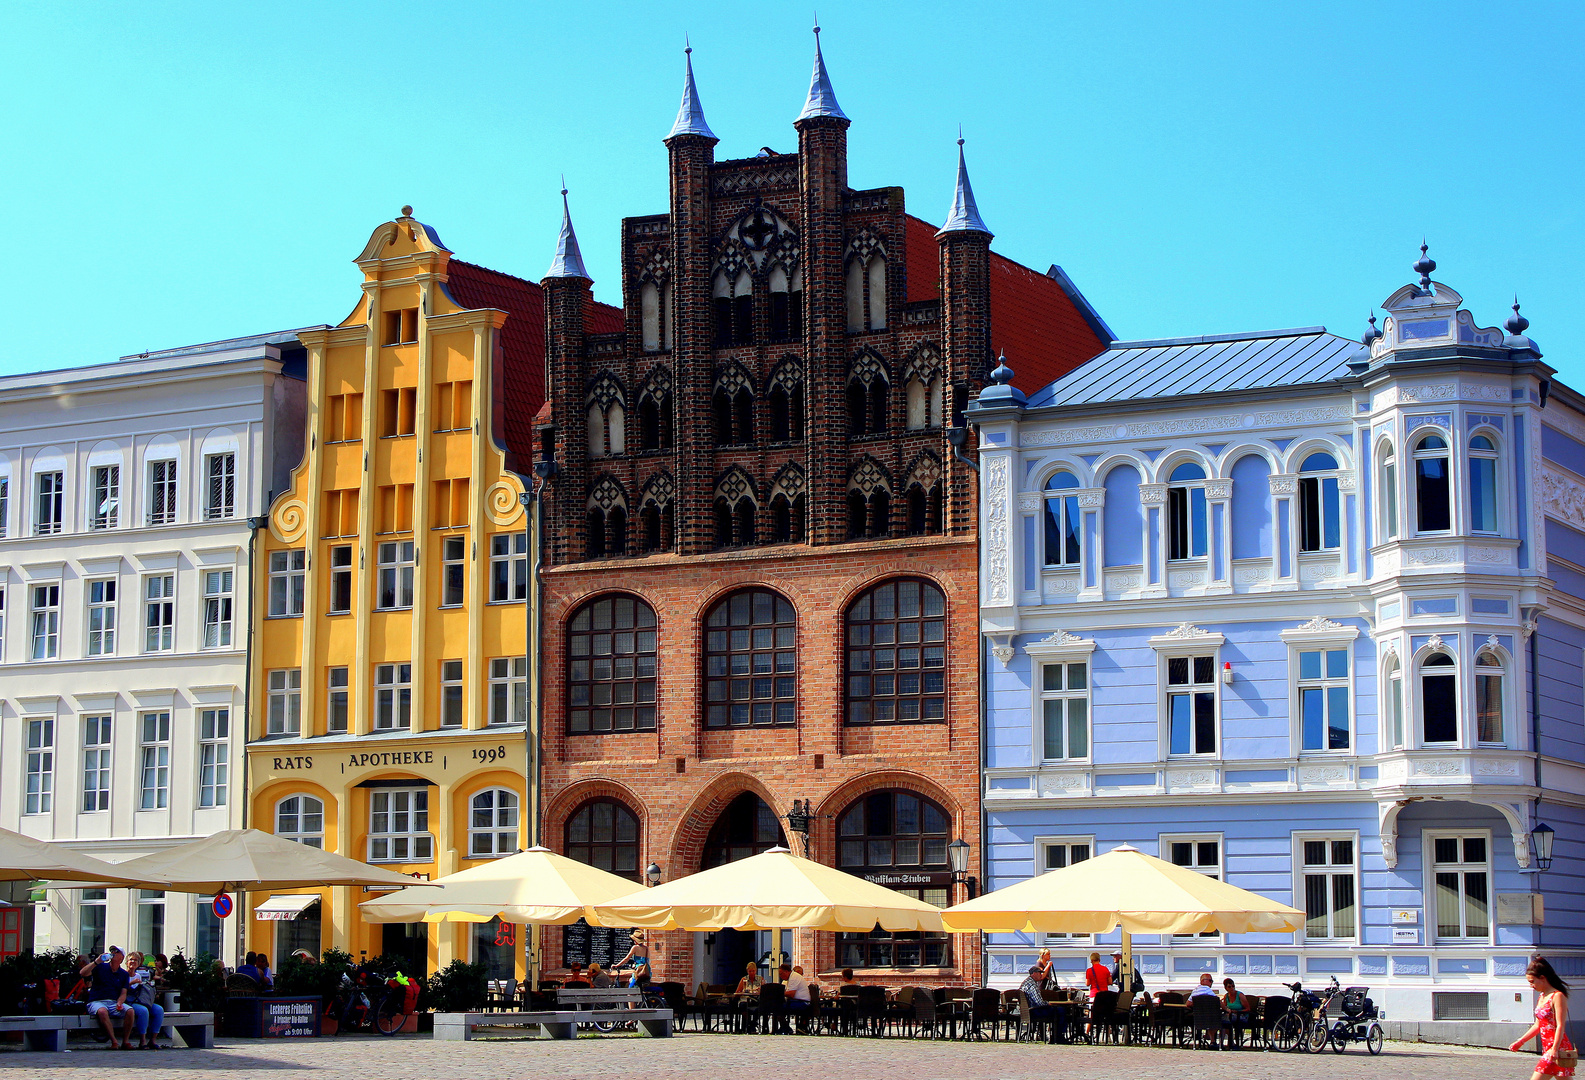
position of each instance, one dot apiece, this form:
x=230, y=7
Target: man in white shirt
x=797, y=988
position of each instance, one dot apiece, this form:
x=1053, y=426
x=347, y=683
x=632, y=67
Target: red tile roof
x=522, y=340
x=1034, y=321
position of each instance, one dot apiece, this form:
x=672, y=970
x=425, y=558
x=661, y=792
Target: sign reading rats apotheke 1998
x=448, y=757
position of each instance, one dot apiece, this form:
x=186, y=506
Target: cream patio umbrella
x=247, y=859
x=22, y=858
x=774, y=890
x=1127, y=888
x=533, y=886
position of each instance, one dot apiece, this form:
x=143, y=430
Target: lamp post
x=958, y=859
x=798, y=819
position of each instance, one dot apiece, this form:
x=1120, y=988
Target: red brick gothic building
x=761, y=572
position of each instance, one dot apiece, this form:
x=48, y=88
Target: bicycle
x=1320, y=1034
x=1290, y=1030
x=377, y=1005
x=1359, y=1022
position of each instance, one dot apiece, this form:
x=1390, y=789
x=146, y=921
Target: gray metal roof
x=822, y=100
x=690, y=115
x=965, y=213
x=1174, y=367
x=569, y=260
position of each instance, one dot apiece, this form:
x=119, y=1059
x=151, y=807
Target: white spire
x=964, y=216
x=690, y=116
x=822, y=99
x=569, y=260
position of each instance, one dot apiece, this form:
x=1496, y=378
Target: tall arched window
x=745, y=828
x=603, y=833
x=732, y=409
x=1062, y=520
x=1439, y=698
x=1433, y=508
x=1389, y=493
x=895, y=832
x=751, y=661
x=1393, y=702
x=786, y=305
x=1482, y=485
x=492, y=824
x=654, y=302
x=1186, y=531
x=733, y=305
x=301, y=818
x=1489, y=726
x=897, y=654
x=611, y=662
x=867, y=395
x=1319, y=528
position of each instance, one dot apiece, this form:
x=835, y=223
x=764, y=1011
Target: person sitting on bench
x=107, y=996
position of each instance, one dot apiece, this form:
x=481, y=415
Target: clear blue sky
x=176, y=173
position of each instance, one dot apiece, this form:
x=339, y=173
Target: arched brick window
x=887, y=834
x=603, y=833
x=746, y=827
x=611, y=664
x=897, y=654
x=751, y=661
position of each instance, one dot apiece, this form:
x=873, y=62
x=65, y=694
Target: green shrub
x=458, y=987
x=200, y=981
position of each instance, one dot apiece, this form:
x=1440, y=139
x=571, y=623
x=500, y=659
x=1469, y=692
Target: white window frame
x=44, y=607
x=5, y=505
x=453, y=561
x=393, y=697
x=1164, y=846
x=1320, y=635
x=338, y=572
x=219, y=608
x=285, y=709
x=1494, y=455
x=39, y=767
x=1059, y=648
x=1388, y=502
x=159, y=613
x=102, y=595
x=104, y=510
x=396, y=558
x=1044, y=844
x=338, y=690
x=1398, y=728
x=508, y=568
x=214, y=757
x=499, y=835
x=1500, y=672
x=1189, y=487
x=1448, y=456
x=1064, y=502
x=453, y=703
x=163, y=493
x=399, y=826
x=1065, y=694
x=98, y=745
x=1317, y=479
x=1418, y=704
x=508, y=689
x=301, y=812
x=1428, y=839
x=225, y=506
x=154, y=759
x=288, y=579
x=49, y=507
x=1191, y=688
x=1302, y=871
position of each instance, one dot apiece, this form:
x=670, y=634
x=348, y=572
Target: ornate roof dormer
x=1426, y=315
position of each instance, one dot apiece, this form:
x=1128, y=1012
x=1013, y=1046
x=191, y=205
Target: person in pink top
x=1551, y=1020
x=1097, y=976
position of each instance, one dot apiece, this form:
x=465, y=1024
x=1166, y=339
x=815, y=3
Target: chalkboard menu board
x=289, y=1018
x=585, y=944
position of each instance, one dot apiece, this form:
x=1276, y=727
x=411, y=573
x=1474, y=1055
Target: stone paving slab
x=418, y=1057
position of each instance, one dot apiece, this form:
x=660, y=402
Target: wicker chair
x=1205, y=1020
x=1271, y=1008
x=1103, y=1015
x=985, y=1012
x=872, y=1008
x=926, y=1019
x=1169, y=1016
x=772, y=1010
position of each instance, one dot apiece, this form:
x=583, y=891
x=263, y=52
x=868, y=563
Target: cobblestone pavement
x=763, y=1058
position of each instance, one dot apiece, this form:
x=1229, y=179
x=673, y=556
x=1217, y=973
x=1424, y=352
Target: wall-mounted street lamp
x=958, y=859
x=652, y=874
x=1541, y=838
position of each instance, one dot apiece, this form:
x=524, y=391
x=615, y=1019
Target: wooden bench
x=608, y=1005
x=197, y=1029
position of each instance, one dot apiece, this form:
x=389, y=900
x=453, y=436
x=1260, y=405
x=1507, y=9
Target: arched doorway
x=746, y=827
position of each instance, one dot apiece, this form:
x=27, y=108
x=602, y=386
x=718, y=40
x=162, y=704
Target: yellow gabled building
x=390, y=684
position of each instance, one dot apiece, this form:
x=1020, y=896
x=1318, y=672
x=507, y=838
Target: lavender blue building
x=1306, y=614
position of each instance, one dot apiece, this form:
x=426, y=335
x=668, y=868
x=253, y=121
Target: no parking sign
x=222, y=905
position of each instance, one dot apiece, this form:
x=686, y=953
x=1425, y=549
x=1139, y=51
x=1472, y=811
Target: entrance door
x=409, y=941
x=10, y=932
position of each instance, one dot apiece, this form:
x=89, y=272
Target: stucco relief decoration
x=1064, y=436
x=1003, y=651
x=1187, y=630
x=1430, y=556
x=1561, y=497
x=1150, y=428
x=1347, y=481
x=1061, y=637
x=1061, y=783
x=288, y=521
x=1435, y=642
x=501, y=503
x=1196, y=778
x=1486, y=555
x=1029, y=502
x=1065, y=585
x=1438, y=767
x=1530, y=626
x=1495, y=767
x=1186, y=580
x=1486, y=392
x=1283, y=484
x=1218, y=489
x=1441, y=420
x=1153, y=494
x=1092, y=498
x=998, y=567
x=1434, y=392
x=1319, y=571
x=1316, y=415
x=1319, y=624
x=1323, y=774
x=1122, y=582
x=1252, y=575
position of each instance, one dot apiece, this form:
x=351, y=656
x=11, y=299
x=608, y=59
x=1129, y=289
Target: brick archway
x=693, y=827
x=570, y=798
x=822, y=841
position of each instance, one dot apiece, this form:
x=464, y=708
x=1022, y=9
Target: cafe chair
x=900, y=1012
x=1103, y=1015
x=985, y=1014
x=927, y=1020
x=771, y=1012
x=1170, y=1015
x=871, y=1011
x=1205, y=1020
x=1272, y=1006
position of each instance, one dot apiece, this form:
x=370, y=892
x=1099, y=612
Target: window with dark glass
x=1062, y=520
x=1186, y=531
x=890, y=833
x=603, y=833
x=751, y=661
x=1191, y=704
x=1439, y=698
x=611, y=663
x=897, y=654
x=1482, y=485
x=1318, y=504
x=1433, y=508
x=746, y=827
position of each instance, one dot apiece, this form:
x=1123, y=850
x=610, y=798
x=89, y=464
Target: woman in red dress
x=1551, y=1021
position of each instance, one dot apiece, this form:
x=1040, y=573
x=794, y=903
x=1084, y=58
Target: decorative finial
x=690, y=114
x=1425, y=266
x=1001, y=375
x=569, y=260
x=1374, y=333
x=687, y=46
x=1517, y=324
x=965, y=214
x=407, y=211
